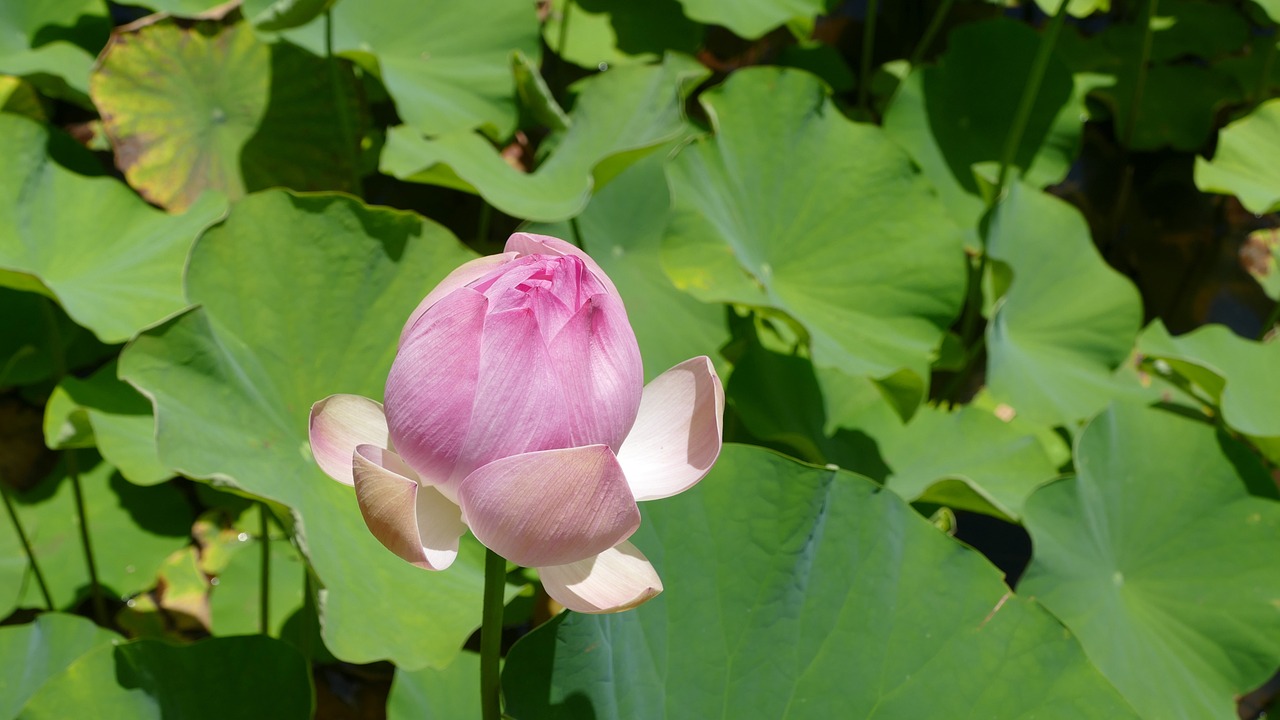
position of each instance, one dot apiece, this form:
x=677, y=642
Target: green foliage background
x=993, y=289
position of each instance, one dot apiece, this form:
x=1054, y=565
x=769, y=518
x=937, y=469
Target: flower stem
x=264, y=579
x=26, y=546
x=342, y=106
x=931, y=32
x=495, y=580
x=73, y=472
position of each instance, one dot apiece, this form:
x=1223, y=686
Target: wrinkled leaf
x=192, y=106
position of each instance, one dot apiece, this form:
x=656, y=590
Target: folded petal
x=465, y=274
x=617, y=579
x=531, y=244
x=596, y=357
x=676, y=436
x=550, y=508
x=415, y=522
x=433, y=382
x=340, y=423
x=519, y=406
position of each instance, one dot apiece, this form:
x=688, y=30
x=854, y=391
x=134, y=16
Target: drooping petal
x=676, y=436
x=598, y=362
x=465, y=274
x=339, y=423
x=415, y=522
x=617, y=579
x=519, y=406
x=531, y=244
x=433, y=382
x=550, y=508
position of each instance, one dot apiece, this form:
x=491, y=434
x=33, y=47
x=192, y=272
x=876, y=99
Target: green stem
x=1131, y=120
x=59, y=361
x=73, y=472
x=931, y=32
x=264, y=579
x=486, y=219
x=26, y=546
x=1022, y=116
x=342, y=110
x=495, y=580
x=864, y=69
x=576, y=232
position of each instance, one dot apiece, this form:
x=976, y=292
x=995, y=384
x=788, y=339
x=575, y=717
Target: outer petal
x=432, y=384
x=519, y=406
x=550, y=508
x=338, y=424
x=617, y=579
x=676, y=438
x=531, y=244
x=596, y=357
x=465, y=274
x=415, y=522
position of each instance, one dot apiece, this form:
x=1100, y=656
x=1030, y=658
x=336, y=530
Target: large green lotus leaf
x=132, y=530
x=52, y=43
x=598, y=34
x=112, y=282
x=1247, y=161
x=799, y=592
x=960, y=113
x=41, y=650
x=431, y=694
x=751, y=19
x=968, y=460
x=446, y=64
x=790, y=206
x=623, y=111
x=195, y=105
x=302, y=297
x=1161, y=562
x=250, y=676
x=1067, y=320
x=104, y=411
x=622, y=229
x=1237, y=374
x=1272, y=7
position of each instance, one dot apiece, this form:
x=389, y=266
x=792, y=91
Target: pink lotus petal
x=676, y=437
x=598, y=362
x=550, y=508
x=617, y=579
x=338, y=424
x=519, y=406
x=415, y=522
x=463, y=275
x=531, y=244
x=432, y=383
